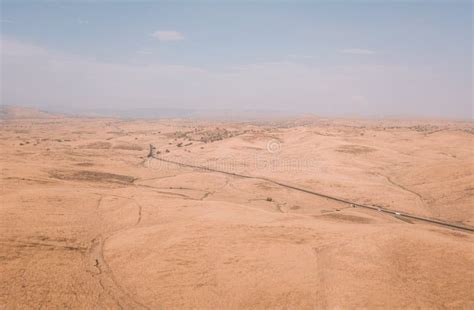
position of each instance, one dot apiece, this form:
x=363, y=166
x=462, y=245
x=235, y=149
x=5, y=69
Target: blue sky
x=331, y=58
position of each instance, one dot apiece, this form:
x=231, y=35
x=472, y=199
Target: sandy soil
x=88, y=221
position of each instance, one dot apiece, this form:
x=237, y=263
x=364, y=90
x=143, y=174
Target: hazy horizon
x=330, y=59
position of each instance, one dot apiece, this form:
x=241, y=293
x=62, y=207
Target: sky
x=339, y=58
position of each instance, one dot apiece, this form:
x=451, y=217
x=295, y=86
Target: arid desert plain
x=89, y=221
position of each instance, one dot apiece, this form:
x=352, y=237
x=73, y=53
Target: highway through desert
x=351, y=203
x=336, y=214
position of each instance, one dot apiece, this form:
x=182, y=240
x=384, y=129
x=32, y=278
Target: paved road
x=351, y=203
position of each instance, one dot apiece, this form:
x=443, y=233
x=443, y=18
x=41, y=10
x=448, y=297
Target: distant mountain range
x=17, y=112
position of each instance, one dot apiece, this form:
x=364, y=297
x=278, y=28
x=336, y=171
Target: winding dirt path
x=102, y=270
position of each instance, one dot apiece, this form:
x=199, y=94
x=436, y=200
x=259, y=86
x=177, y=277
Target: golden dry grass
x=88, y=221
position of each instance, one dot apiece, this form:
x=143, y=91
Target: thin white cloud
x=144, y=52
x=82, y=21
x=296, y=56
x=6, y=21
x=357, y=51
x=168, y=35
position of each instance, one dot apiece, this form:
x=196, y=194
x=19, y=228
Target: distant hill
x=17, y=112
